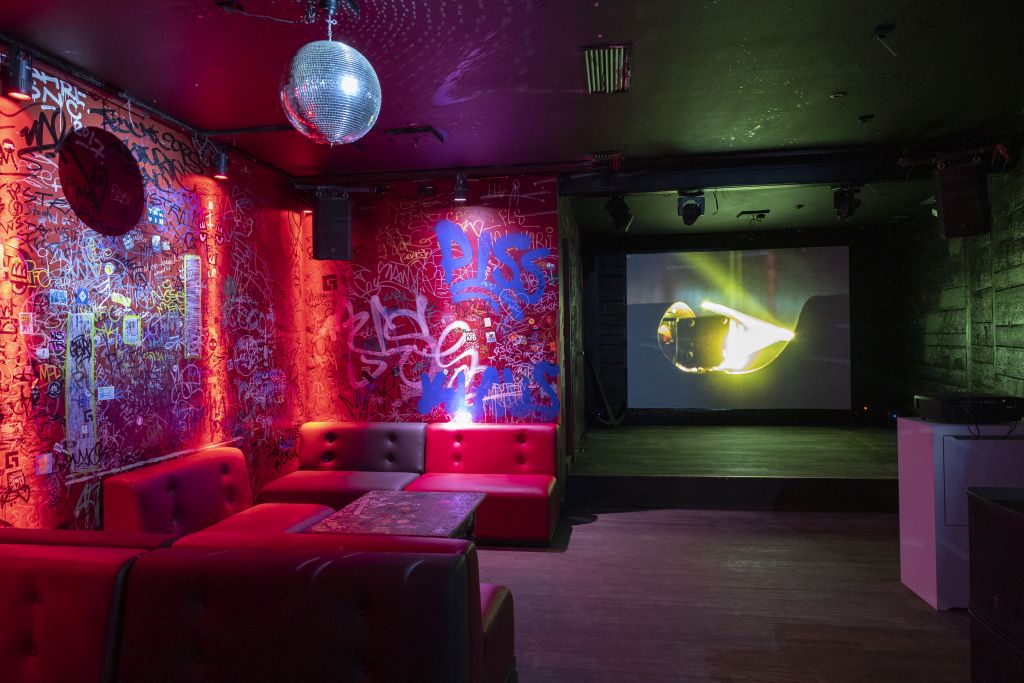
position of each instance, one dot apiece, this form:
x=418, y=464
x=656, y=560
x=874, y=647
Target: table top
x=406, y=513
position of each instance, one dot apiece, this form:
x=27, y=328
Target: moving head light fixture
x=690, y=206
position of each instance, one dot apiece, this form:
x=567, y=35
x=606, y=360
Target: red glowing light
x=220, y=176
x=18, y=95
x=307, y=212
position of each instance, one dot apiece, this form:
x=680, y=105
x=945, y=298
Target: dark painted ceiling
x=502, y=79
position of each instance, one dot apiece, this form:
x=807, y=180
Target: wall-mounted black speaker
x=961, y=192
x=332, y=229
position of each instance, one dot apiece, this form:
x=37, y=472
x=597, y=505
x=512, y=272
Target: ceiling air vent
x=607, y=68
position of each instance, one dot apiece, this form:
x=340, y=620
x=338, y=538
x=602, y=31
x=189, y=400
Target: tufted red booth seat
x=207, y=490
x=514, y=464
x=59, y=618
x=492, y=624
x=249, y=607
x=294, y=615
x=340, y=461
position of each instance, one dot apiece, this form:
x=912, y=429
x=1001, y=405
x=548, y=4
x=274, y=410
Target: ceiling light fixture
x=690, y=206
x=330, y=92
x=18, y=76
x=461, y=187
x=220, y=165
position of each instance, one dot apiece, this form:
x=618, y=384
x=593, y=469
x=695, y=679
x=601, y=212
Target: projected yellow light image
x=723, y=340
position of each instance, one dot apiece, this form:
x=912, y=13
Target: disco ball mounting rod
x=330, y=7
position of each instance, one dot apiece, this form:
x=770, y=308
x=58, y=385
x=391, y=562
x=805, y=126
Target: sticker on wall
x=131, y=330
x=155, y=215
x=17, y=487
x=25, y=323
x=191, y=269
x=130, y=239
x=82, y=296
x=58, y=297
x=44, y=464
x=102, y=181
x=80, y=411
x=105, y=393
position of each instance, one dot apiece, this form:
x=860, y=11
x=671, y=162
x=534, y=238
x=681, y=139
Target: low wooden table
x=405, y=513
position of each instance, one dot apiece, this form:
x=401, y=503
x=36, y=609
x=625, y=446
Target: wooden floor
x=821, y=452
x=697, y=595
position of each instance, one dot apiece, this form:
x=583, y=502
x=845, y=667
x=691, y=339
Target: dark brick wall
x=963, y=302
x=607, y=342
x=573, y=384
x=1006, y=278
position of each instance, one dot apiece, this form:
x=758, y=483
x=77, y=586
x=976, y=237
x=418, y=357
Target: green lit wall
x=962, y=301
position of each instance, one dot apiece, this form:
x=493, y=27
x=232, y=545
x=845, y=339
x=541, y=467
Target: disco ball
x=330, y=93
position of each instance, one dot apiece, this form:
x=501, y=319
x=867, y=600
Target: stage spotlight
x=846, y=201
x=619, y=211
x=461, y=187
x=220, y=165
x=18, y=76
x=690, y=207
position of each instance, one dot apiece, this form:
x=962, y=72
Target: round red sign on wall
x=101, y=181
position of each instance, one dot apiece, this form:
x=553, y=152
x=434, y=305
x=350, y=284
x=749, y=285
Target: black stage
x=759, y=468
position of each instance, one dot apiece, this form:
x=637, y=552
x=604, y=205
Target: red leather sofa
x=226, y=606
x=514, y=464
x=491, y=627
x=340, y=461
x=207, y=490
x=59, y=594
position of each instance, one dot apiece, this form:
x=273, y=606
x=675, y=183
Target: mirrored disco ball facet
x=330, y=93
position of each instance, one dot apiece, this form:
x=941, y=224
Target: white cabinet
x=937, y=463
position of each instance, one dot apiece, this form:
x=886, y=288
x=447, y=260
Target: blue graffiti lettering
x=435, y=394
x=514, y=282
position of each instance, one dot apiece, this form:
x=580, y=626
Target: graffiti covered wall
x=208, y=321
x=447, y=311
x=121, y=349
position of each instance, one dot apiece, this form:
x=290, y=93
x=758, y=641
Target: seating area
x=184, y=546
x=248, y=606
x=515, y=465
